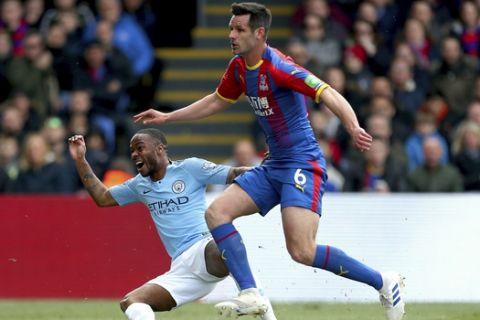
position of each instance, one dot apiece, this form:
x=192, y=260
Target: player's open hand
x=77, y=147
x=151, y=116
x=361, y=139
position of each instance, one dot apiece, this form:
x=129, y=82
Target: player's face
x=146, y=154
x=242, y=38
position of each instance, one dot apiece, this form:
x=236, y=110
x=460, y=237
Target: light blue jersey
x=177, y=202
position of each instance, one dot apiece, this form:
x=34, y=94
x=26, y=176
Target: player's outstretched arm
x=97, y=190
x=202, y=108
x=342, y=109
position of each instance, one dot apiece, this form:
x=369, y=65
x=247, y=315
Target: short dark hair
x=155, y=134
x=260, y=16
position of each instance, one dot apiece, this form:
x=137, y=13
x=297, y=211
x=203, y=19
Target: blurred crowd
x=410, y=69
x=70, y=67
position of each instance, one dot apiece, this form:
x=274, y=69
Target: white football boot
x=248, y=302
x=391, y=295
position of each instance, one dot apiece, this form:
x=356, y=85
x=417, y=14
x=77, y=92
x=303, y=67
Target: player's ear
x=260, y=32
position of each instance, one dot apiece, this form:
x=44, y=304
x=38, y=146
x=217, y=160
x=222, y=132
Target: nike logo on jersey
x=147, y=191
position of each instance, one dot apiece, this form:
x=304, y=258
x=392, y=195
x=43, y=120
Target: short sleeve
x=229, y=88
x=207, y=172
x=295, y=77
x=125, y=193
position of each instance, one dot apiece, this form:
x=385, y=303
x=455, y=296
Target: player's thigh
x=234, y=202
x=260, y=188
x=188, y=279
x=214, y=264
x=300, y=225
x=154, y=295
x=302, y=185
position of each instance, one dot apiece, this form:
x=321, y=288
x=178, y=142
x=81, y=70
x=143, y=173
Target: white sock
x=139, y=311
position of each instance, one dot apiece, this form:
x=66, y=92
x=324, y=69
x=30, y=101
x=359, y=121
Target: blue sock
x=336, y=261
x=234, y=254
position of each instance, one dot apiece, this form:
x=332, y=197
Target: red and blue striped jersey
x=277, y=88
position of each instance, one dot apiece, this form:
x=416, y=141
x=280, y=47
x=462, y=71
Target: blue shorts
x=291, y=184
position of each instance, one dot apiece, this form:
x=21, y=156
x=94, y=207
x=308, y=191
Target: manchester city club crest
x=178, y=186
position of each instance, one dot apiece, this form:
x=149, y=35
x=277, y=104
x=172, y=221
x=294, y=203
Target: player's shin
x=336, y=261
x=234, y=254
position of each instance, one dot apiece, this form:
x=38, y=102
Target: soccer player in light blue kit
x=294, y=176
x=174, y=193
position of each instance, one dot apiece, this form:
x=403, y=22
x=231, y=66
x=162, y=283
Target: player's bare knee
x=214, y=216
x=301, y=255
x=125, y=303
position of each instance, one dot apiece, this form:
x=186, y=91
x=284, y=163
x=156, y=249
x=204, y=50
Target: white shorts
x=188, y=279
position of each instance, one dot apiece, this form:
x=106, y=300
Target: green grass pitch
x=109, y=310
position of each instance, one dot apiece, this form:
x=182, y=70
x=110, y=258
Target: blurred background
x=410, y=69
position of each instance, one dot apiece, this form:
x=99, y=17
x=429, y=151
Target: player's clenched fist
x=77, y=147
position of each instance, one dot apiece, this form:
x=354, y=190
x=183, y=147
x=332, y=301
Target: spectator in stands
x=104, y=80
x=131, y=39
x=33, y=74
x=421, y=74
x=466, y=154
x=425, y=127
x=64, y=58
x=12, y=122
x=37, y=174
x=34, y=10
x=6, y=55
x=454, y=77
x=438, y=107
x=324, y=50
x=104, y=34
x=384, y=15
x=473, y=111
x=376, y=172
x=142, y=12
x=370, y=47
x=83, y=116
x=83, y=15
x=9, y=157
x=358, y=75
x=422, y=10
x=434, y=175
x=244, y=155
x=55, y=134
x=467, y=28
x=381, y=86
x=119, y=171
x=335, y=179
x=415, y=35
x=334, y=28
x=297, y=50
x=128, y=35
x=380, y=126
x=12, y=21
x=408, y=96
x=23, y=104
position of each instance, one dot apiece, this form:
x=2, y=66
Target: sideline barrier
x=67, y=247
x=433, y=239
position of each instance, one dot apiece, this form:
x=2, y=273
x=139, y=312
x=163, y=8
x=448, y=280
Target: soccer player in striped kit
x=294, y=174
